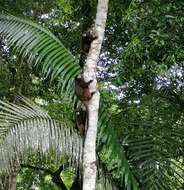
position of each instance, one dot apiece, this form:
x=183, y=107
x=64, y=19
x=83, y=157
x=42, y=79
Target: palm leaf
x=105, y=179
x=26, y=129
x=156, y=152
x=108, y=139
x=40, y=48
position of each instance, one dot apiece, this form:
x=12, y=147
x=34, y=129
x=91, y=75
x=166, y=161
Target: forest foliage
x=140, y=78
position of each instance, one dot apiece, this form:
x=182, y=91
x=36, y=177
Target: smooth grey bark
x=89, y=156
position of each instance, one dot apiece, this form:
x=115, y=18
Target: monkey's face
x=86, y=34
x=88, y=37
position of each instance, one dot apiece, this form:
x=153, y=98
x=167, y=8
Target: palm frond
x=105, y=179
x=25, y=129
x=40, y=48
x=156, y=153
x=108, y=138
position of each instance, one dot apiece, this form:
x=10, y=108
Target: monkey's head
x=88, y=37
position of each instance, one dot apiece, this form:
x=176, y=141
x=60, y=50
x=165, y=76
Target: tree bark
x=89, y=73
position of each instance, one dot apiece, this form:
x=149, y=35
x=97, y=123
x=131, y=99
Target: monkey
x=87, y=38
x=82, y=89
x=83, y=92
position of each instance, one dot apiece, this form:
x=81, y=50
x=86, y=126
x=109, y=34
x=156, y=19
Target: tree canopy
x=140, y=78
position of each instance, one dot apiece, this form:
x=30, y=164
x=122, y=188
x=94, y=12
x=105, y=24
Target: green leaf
x=40, y=48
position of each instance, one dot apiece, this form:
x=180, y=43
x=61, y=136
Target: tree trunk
x=89, y=157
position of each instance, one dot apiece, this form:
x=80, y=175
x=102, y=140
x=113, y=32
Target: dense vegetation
x=141, y=81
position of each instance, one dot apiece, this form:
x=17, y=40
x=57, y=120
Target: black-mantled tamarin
x=82, y=89
x=83, y=92
x=87, y=38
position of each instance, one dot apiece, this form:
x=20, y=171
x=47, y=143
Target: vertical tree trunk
x=89, y=157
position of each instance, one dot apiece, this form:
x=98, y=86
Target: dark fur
x=87, y=38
